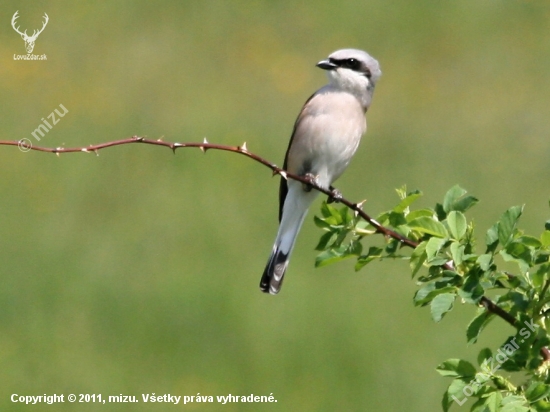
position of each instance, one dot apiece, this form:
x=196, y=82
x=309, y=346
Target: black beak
x=327, y=65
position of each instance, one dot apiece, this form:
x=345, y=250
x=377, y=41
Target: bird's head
x=352, y=70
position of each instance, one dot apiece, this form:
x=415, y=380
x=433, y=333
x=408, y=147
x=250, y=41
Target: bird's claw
x=335, y=196
x=311, y=179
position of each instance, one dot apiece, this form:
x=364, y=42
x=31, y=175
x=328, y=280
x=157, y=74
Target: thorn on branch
x=203, y=148
x=243, y=147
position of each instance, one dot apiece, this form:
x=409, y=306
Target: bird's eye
x=351, y=64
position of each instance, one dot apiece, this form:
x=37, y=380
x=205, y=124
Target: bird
x=326, y=135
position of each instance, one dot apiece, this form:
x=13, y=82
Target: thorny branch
x=487, y=303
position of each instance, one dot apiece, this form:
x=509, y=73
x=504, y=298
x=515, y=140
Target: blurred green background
x=137, y=271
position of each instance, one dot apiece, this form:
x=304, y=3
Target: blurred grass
x=136, y=271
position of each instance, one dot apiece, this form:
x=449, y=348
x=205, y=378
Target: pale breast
x=327, y=134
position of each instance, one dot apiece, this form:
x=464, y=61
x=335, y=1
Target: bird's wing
x=283, y=187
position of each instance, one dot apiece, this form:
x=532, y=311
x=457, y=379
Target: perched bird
x=325, y=137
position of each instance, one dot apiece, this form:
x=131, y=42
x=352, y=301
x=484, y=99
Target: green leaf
x=454, y=193
x=331, y=214
x=476, y=326
x=491, y=237
x=484, y=355
x=484, y=261
x=372, y=254
x=465, y=203
x=418, y=257
x=441, y=304
x=471, y=290
x=345, y=215
x=326, y=240
x=331, y=256
x=431, y=290
x=507, y=224
x=454, y=393
x=407, y=201
x=513, y=403
x=321, y=223
x=457, y=224
x=540, y=275
x=419, y=213
x=456, y=368
x=541, y=406
x=457, y=253
x=429, y=226
x=397, y=219
x=537, y=391
x=545, y=238
x=433, y=247
x=492, y=402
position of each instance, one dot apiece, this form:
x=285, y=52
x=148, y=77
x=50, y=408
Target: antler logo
x=29, y=40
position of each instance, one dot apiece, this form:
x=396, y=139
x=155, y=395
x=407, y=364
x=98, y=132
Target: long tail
x=295, y=209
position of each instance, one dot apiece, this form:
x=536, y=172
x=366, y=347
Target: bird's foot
x=335, y=195
x=312, y=179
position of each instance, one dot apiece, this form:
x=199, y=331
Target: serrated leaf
x=429, y=226
x=456, y=368
x=507, y=224
x=457, y=224
x=441, y=304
